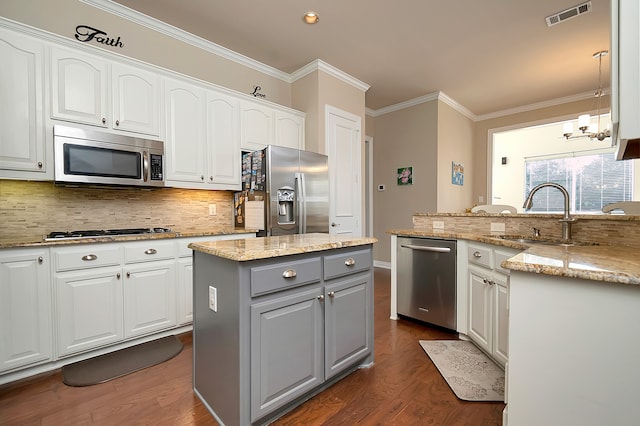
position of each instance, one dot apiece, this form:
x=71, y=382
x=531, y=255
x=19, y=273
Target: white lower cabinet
x=25, y=308
x=149, y=287
x=109, y=292
x=89, y=309
x=489, y=299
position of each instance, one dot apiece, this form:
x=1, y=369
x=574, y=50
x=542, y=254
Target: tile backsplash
x=29, y=210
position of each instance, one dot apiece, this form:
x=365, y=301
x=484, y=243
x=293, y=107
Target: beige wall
x=305, y=98
x=407, y=137
x=455, y=143
x=62, y=16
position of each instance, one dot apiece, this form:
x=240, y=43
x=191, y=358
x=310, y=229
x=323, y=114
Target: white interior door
x=344, y=151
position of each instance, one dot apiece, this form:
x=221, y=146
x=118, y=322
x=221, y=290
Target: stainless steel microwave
x=100, y=158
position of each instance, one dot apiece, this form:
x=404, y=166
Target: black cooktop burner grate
x=93, y=233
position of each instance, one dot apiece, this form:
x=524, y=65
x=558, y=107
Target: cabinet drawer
x=501, y=256
x=145, y=251
x=87, y=256
x=267, y=279
x=346, y=263
x=480, y=256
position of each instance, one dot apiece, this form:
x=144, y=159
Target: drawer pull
x=321, y=297
x=350, y=262
x=289, y=273
x=89, y=257
x=331, y=294
x=477, y=254
x=150, y=251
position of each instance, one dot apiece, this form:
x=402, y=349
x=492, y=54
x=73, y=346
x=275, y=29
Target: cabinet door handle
x=40, y=259
x=202, y=177
x=350, y=262
x=321, y=297
x=331, y=294
x=476, y=254
x=118, y=275
x=117, y=122
x=89, y=257
x=39, y=164
x=150, y=251
x=289, y=273
x=128, y=274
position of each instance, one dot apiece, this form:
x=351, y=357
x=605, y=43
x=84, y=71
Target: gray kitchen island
x=277, y=320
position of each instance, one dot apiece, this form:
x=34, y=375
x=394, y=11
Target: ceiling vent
x=572, y=12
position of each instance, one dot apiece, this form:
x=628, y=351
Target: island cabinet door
x=348, y=324
x=286, y=349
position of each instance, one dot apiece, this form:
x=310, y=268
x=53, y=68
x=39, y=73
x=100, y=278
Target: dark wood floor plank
x=403, y=387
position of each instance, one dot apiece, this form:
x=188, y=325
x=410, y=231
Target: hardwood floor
x=402, y=388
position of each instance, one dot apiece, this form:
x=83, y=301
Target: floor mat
x=119, y=363
x=471, y=374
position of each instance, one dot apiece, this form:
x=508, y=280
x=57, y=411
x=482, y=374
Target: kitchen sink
x=542, y=241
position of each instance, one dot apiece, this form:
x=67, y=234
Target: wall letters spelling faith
x=85, y=34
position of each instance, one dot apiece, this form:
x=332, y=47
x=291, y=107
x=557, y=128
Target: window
x=592, y=180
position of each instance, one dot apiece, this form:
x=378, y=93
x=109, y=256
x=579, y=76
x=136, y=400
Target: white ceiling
x=487, y=55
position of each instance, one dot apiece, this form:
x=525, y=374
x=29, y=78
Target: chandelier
x=584, y=121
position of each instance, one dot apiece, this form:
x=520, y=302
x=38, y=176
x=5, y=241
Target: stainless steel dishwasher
x=426, y=278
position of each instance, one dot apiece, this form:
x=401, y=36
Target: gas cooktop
x=101, y=233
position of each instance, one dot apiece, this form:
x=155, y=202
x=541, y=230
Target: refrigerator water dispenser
x=286, y=198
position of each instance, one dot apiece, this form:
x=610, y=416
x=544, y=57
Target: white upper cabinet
x=223, y=139
x=202, y=137
x=625, y=77
x=263, y=124
x=257, y=123
x=136, y=100
x=78, y=87
x=289, y=130
x=22, y=141
x=83, y=87
x=185, y=142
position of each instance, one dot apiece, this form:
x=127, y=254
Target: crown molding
x=319, y=65
x=186, y=37
x=406, y=104
x=538, y=105
x=467, y=113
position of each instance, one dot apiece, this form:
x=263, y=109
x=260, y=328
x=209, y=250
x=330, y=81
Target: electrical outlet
x=213, y=298
x=497, y=227
x=213, y=210
x=438, y=224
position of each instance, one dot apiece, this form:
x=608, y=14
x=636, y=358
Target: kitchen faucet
x=566, y=220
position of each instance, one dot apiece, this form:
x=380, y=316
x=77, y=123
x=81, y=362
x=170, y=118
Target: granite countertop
x=614, y=264
x=609, y=216
x=32, y=242
x=285, y=245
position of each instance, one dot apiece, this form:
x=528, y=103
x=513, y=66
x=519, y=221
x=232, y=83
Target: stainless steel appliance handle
x=145, y=166
x=301, y=196
x=427, y=248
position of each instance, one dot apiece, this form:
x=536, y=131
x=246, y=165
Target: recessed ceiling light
x=310, y=18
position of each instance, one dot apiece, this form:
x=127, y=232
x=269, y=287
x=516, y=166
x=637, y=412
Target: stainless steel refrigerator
x=285, y=191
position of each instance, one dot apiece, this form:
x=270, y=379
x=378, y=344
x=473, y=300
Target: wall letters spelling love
x=256, y=92
x=85, y=34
